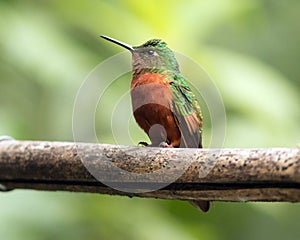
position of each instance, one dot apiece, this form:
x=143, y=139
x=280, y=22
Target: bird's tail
x=200, y=204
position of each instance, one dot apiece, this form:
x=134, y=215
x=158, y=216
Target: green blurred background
x=251, y=49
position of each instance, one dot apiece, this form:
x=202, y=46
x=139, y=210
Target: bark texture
x=187, y=174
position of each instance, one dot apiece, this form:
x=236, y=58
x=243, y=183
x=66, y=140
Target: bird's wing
x=187, y=112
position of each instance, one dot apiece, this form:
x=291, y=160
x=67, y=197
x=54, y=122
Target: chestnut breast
x=152, y=108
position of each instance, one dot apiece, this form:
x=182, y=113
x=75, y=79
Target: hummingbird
x=164, y=105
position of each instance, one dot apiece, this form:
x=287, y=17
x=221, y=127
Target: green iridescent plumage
x=185, y=104
x=187, y=108
x=155, y=55
x=163, y=104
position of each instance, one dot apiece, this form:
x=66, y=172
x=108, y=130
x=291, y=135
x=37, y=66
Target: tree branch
x=211, y=174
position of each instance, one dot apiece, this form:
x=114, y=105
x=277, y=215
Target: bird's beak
x=124, y=45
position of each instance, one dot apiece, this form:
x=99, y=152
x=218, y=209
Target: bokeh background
x=251, y=49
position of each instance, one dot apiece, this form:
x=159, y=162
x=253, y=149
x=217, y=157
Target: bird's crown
x=155, y=43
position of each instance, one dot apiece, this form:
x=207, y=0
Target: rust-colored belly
x=152, y=108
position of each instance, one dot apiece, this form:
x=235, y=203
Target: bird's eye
x=150, y=52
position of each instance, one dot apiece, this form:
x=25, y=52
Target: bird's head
x=154, y=54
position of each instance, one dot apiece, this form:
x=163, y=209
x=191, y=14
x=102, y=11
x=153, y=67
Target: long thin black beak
x=124, y=45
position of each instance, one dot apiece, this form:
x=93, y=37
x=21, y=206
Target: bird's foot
x=143, y=144
x=165, y=145
x=6, y=138
x=162, y=144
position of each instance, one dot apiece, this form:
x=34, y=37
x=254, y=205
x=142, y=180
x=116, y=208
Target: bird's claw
x=162, y=144
x=143, y=144
x=165, y=145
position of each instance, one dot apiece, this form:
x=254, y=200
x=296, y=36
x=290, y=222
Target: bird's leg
x=165, y=145
x=145, y=144
x=162, y=144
